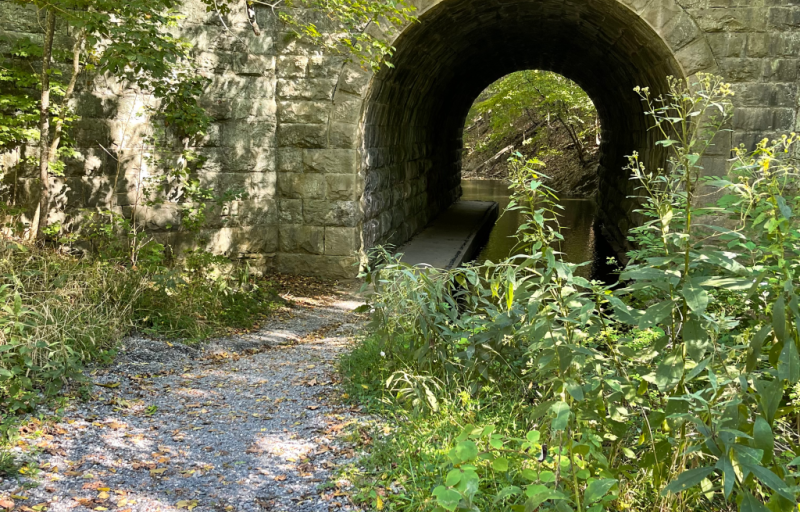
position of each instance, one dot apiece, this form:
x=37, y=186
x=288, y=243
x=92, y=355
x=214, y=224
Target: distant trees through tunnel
x=541, y=115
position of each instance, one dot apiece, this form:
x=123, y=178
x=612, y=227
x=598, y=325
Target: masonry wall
x=336, y=160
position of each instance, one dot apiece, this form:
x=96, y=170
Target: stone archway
x=413, y=114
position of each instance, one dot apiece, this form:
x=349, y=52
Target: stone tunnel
x=337, y=159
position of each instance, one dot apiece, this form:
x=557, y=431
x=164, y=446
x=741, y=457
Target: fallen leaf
x=156, y=472
x=110, y=385
x=312, y=407
x=6, y=503
x=280, y=478
x=18, y=497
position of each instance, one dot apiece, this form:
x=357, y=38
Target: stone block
x=333, y=161
x=354, y=80
x=237, y=241
x=727, y=45
x=331, y=213
x=292, y=66
x=784, y=18
x=346, y=107
x=341, y=241
x=330, y=267
x=735, y=19
x=302, y=239
x=780, y=70
x=290, y=160
x=741, y=70
x=290, y=211
x=765, y=95
x=302, y=135
x=253, y=65
x=325, y=66
x=245, y=108
x=256, y=212
x=19, y=18
x=311, y=112
x=696, y=57
x=302, y=186
x=342, y=187
x=344, y=135
x=259, y=45
x=306, y=89
x=262, y=185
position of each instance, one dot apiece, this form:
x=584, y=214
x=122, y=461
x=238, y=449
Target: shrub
x=669, y=391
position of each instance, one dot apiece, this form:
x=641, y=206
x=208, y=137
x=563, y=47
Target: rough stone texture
x=337, y=160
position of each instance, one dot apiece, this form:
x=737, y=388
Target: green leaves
x=597, y=489
x=696, y=338
x=669, y=372
x=446, y=498
x=789, y=363
x=687, y=479
x=763, y=439
x=696, y=297
x=561, y=411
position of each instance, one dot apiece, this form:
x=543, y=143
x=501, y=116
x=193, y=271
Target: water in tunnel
x=414, y=112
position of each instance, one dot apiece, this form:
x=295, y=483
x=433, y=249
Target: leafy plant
x=644, y=395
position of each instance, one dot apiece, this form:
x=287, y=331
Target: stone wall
x=336, y=160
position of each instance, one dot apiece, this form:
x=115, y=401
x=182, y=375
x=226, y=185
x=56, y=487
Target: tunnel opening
x=414, y=113
x=544, y=116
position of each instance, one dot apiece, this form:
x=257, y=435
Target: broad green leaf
x=597, y=489
x=500, y=464
x=769, y=397
x=789, y=363
x=547, y=476
x=574, y=389
x=696, y=297
x=533, y=436
x=447, y=498
x=754, y=351
x=751, y=504
x=669, y=372
x=561, y=411
x=779, y=318
x=769, y=479
x=763, y=439
x=465, y=451
x=453, y=477
x=696, y=339
x=687, y=479
x=785, y=209
x=725, y=465
x=654, y=315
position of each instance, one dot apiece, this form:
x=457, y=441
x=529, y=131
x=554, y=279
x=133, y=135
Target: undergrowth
x=522, y=386
x=60, y=312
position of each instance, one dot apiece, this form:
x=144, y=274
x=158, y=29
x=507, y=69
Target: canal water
x=580, y=243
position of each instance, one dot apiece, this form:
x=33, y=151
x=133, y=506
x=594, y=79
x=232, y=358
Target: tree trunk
x=44, y=125
x=76, y=69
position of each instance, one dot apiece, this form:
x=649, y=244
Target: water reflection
x=578, y=222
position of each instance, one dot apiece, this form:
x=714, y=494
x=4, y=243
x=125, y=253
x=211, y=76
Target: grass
x=408, y=447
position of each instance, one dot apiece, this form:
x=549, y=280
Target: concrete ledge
x=454, y=237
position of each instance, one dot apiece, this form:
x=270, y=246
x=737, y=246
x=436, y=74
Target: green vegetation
x=60, y=312
x=539, y=113
x=520, y=386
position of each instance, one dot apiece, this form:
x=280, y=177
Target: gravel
x=247, y=423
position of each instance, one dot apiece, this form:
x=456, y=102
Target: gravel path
x=248, y=423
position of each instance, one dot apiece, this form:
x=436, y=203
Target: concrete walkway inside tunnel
x=454, y=237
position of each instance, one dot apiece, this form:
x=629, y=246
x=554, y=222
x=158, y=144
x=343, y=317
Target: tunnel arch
x=413, y=114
